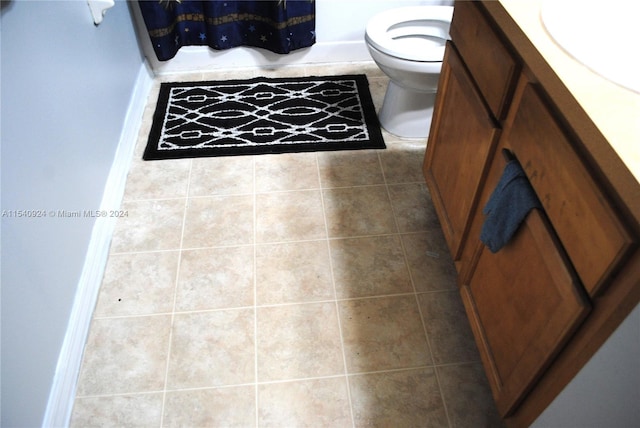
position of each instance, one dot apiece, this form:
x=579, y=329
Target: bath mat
x=262, y=115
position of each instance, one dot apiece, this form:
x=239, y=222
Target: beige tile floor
x=308, y=289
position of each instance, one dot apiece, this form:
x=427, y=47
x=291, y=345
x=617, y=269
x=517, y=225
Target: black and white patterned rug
x=258, y=116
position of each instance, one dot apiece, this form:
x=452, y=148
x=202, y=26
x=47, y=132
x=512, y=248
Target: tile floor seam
x=255, y=297
x=356, y=186
x=267, y=305
x=281, y=381
x=212, y=247
x=310, y=302
x=128, y=316
x=396, y=370
x=206, y=388
x=386, y=188
x=335, y=297
x=221, y=195
x=433, y=361
x=331, y=238
x=426, y=334
x=132, y=253
x=402, y=183
x=309, y=189
x=375, y=235
x=169, y=198
x=301, y=379
x=121, y=394
x=422, y=320
x=175, y=298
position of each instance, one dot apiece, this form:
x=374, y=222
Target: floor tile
x=136, y=410
x=378, y=88
x=218, y=407
x=125, y=355
x=219, y=220
x=158, y=179
x=212, y=349
x=293, y=272
x=298, y=341
x=448, y=328
x=350, y=168
x=429, y=261
x=221, y=176
x=383, y=333
x=369, y=266
x=289, y=216
x=402, y=163
x=138, y=284
x=149, y=225
x=467, y=396
x=309, y=403
x=358, y=211
x=334, y=69
x=412, y=207
x=295, y=171
x=229, y=74
x=215, y=278
x=407, y=398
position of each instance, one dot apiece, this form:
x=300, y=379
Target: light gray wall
x=606, y=392
x=65, y=87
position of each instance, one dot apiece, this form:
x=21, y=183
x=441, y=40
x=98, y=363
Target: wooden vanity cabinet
x=545, y=302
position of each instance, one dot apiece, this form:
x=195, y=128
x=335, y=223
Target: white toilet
x=408, y=44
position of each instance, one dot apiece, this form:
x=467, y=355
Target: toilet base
x=406, y=113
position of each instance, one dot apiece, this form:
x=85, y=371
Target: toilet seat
x=412, y=33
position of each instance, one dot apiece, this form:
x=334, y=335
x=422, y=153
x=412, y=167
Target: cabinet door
x=591, y=232
x=523, y=303
x=462, y=136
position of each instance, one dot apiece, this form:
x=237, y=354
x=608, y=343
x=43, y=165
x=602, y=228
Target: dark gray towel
x=508, y=205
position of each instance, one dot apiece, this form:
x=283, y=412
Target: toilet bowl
x=408, y=44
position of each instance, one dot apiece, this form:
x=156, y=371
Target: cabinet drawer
x=589, y=229
x=491, y=64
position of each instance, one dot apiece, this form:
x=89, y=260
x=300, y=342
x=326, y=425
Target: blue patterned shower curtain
x=279, y=26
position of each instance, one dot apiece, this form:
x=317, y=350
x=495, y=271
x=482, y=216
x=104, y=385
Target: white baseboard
x=63, y=390
x=193, y=59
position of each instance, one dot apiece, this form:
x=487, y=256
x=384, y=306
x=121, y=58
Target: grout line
x=255, y=294
x=164, y=198
x=335, y=300
x=281, y=381
x=295, y=241
x=175, y=297
x=400, y=369
x=271, y=305
x=426, y=335
x=415, y=292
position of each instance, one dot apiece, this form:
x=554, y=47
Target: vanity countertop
x=614, y=110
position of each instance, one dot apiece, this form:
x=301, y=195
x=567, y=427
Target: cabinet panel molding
x=462, y=139
x=593, y=236
x=527, y=304
x=493, y=67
